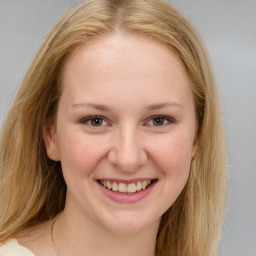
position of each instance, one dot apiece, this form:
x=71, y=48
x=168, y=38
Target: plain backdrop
x=228, y=28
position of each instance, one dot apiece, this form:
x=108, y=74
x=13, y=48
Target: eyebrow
x=93, y=106
x=106, y=108
x=163, y=105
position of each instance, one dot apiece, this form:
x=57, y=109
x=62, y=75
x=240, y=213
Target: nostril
x=127, y=160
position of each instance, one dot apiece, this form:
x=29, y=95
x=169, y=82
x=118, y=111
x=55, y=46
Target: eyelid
x=85, y=120
x=169, y=119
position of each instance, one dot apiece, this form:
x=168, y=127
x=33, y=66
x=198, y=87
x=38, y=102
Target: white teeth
x=125, y=188
x=144, y=184
x=122, y=188
x=131, y=188
x=114, y=186
x=139, y=186
x=109, y=185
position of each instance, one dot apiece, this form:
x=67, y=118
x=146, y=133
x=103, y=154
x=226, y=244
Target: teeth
x=138, y=187
x=131, y=188
x=122, y=188
x=114, y=186
x=125, y=188
x=109, y=185
x=144, y=184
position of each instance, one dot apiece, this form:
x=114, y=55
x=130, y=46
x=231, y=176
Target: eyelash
x=167, y=120
x=91, y=118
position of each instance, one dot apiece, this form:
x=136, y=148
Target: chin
x=125, y=225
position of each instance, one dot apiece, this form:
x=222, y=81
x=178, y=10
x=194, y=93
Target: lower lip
x=125, y=198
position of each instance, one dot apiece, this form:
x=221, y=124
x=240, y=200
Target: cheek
x=173, y=155
x=80, y=153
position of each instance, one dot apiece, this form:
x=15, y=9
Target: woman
x=114, y=144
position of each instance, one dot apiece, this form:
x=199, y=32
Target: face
x=125, y=132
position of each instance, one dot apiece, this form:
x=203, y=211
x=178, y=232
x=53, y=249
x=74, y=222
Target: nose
x=127, y=151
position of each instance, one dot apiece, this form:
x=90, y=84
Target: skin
x=127, y=80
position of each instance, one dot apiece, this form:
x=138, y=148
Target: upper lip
x=126, y=181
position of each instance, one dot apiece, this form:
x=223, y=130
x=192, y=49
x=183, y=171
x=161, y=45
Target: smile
x=129, y=188
x=127, y=191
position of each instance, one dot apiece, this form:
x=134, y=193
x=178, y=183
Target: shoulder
x=12, y=248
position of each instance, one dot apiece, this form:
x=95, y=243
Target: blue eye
x=95, y=121
x=160, y=121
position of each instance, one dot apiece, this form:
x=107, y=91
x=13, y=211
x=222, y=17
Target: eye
x=160, y=121
x=96, y=121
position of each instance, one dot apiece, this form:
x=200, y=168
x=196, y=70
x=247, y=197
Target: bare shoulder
x=37, y=239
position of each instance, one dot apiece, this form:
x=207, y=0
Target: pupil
x=97, y=122
x=158, y=121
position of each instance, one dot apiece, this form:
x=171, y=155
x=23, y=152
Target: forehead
x=124, y=66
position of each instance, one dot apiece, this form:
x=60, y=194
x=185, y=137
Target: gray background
x=228, y=28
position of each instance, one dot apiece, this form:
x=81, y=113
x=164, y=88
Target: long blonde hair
x=32, y=188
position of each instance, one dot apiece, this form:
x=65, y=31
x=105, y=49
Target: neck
x=75, y=236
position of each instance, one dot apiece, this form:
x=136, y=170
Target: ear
x=194, y=147
x=50, y=141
